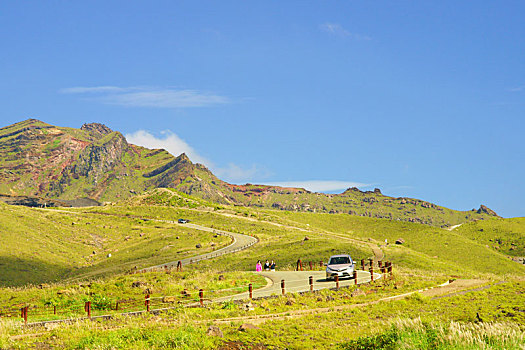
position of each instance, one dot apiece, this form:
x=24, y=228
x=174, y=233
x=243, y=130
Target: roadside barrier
x=196, y=298
x=185, y=299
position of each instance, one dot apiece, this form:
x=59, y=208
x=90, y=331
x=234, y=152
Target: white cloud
x=176, y=146
x=148, y=96
x=169, y=141
x=517, y=89
x=320, y=185
x=337, y=29
x=235, y=172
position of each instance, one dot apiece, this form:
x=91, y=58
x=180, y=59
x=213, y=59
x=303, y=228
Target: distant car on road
x=340, y=265
x=183, y=221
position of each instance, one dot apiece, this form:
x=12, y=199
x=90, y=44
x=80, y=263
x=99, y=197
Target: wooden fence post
x=87, y=308
x=363, y=264
x=23, y=313
x=250, y=288
x=147, y=302
x=282, y=287
x=201, y=296
x=311, y=281
x=371, y=273
x=336, y=282
x=299, y=265
x=355, y=276
x=311, y=266
x=371, y=261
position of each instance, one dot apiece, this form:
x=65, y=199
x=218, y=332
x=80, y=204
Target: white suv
x=339, y=265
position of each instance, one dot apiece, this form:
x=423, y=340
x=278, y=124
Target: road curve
x=240, y=242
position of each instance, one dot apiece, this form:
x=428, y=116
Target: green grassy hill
x=42, y=245
x=352, y=201
x=48, y=245
x=282, y=234
x=506, y=236
x=424, y=247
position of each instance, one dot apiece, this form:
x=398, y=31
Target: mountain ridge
x=41, y=160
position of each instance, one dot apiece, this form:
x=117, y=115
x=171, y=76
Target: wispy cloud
x=148, y=96
x=94, y=89
x=175, y=145
x=320, y=185
x=517, y=88
x=236, y=173
x=338, y=30
x=168, y=141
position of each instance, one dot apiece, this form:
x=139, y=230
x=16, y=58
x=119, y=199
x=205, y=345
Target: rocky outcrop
x=172, y=173
x=486, y=210
x=97, y=130
x=99, y=158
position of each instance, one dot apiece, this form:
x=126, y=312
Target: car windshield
x=339, y=260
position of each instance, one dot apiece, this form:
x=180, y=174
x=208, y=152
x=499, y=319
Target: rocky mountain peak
x=183, y=156
x=486, y=210
x=96, y=129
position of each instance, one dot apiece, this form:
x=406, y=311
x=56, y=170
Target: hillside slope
x=38, y=159
x=48, y=245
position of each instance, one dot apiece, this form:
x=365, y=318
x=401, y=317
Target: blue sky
x=421, y=99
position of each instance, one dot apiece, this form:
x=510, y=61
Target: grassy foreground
x=464, y=321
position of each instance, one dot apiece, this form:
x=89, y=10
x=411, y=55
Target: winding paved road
x=240, y=242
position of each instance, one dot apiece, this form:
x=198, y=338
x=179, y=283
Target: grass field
x=425, y=247
x=506, y=236
x=47, y=246
x=490, y=317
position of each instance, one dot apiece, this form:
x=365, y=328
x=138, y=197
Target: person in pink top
x=258, y=267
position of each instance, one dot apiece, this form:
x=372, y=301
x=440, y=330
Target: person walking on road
x=272, y=266
x=267, y=265
x=258, y=266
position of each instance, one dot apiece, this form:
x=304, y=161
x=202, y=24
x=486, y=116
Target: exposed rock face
x=96, y=129
x=172, y=173
x=486, y=210
x=98, y=158
x=46, y=161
